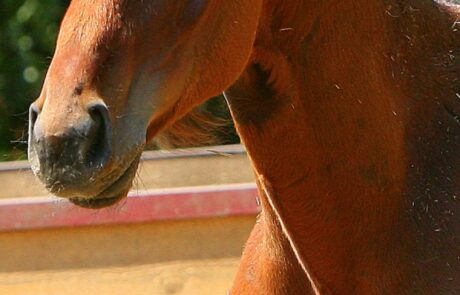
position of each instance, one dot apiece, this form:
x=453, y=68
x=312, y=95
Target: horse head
x=123, y=71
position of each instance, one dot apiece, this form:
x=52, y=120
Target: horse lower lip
x=96, y=203
x=112, y=194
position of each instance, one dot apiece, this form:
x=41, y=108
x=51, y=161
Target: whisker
x=19, y=141
x=131, y=114
x=139, y=178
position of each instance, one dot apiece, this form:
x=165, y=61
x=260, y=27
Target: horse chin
x=115, y=192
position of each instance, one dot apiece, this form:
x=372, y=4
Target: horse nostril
x=33, y=115
x=34, y=111
x=67, y=151
x=99, y=136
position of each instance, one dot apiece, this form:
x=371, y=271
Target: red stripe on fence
x=157, y=205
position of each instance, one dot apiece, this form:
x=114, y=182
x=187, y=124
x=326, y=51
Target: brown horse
x=349, y=110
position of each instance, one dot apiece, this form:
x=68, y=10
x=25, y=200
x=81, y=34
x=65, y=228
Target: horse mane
x=200, y=127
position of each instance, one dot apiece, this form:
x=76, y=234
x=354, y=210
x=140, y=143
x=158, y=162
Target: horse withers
x=349, y=111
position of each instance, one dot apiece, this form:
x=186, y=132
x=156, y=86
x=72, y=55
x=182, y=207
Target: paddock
x=181, y=231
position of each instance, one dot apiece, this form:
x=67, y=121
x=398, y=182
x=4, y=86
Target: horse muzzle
x=68, y=154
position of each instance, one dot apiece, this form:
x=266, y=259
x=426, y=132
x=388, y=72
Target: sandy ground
x=200, y=277
x=179, y=257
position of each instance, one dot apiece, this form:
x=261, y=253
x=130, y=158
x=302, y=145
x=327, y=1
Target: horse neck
x=337, y=146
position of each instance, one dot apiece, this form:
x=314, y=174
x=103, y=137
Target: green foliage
x=27, y=36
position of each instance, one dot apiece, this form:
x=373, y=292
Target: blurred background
x=28, y=31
